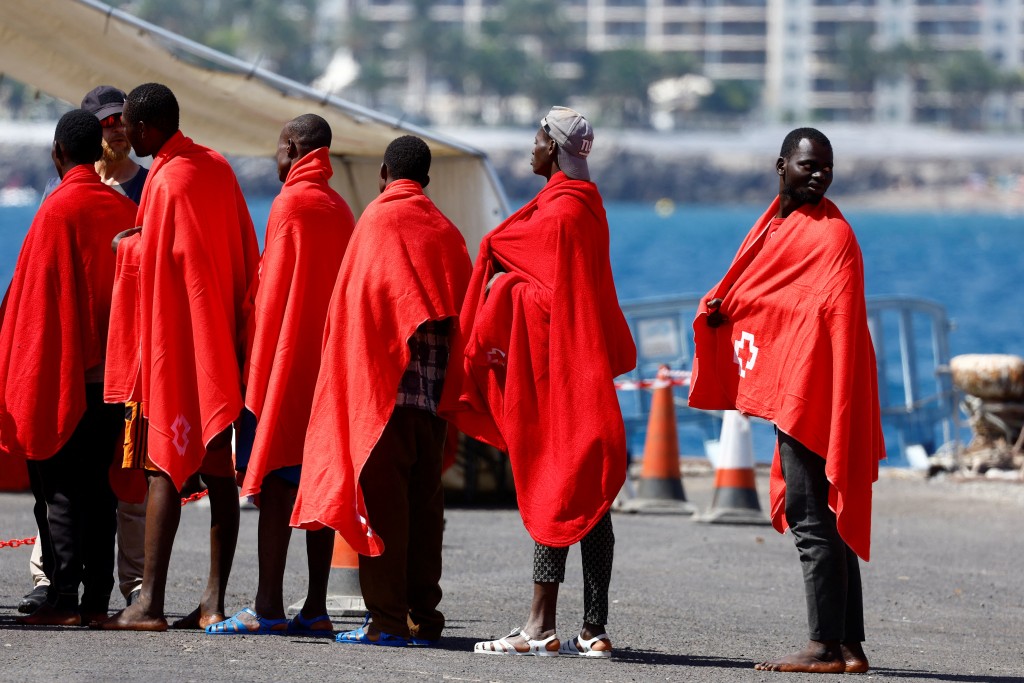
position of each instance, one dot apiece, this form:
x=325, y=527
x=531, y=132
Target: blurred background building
x=640, y=64
x=947, y=62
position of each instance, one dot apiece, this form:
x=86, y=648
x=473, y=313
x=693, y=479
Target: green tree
x=859, y=67
x=732, y=98
x=969, y=77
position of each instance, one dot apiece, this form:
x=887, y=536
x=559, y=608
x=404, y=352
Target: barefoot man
x=178, y=356
x=307, y=231
x=784, y=336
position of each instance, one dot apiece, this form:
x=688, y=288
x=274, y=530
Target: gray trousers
x=835, y=604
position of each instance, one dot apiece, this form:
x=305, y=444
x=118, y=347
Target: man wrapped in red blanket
x=197, y=257
x=372, y=462
x=308, y=231
x=545, y=340
x=784, y=336
x=52, y=348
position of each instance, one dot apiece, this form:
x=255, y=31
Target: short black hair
x=792, y=140
x=154, y=104
x=80, y=137
x=310, y=131
x=408, y=157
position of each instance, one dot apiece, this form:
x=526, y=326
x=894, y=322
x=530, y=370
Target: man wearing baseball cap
x=116, y=168
x=545, y=340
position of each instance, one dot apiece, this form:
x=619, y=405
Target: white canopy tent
x=66, y=47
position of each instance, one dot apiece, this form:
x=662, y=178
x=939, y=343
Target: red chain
x=18, y=542
x=194, y=497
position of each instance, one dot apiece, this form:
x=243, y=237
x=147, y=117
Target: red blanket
x=543, y=348
x=121, y=377
x=307, y=231
x=56, y=312
x=406, y=264
x=198, y=254
x=796, y=350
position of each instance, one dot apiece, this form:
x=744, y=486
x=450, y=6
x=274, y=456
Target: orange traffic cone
x=735, y=499
x=660, y=488
x=344, y=596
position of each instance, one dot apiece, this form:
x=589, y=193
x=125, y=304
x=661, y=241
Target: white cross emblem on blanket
x=744, y=353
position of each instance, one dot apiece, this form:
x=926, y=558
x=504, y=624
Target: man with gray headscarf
x=545, y=340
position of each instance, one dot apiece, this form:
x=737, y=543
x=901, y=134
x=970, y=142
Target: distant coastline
x=877, y=168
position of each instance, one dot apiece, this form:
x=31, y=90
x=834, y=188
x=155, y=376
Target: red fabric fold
x=197, y=255
x=406, y=264
x=307, y=232
x=121, y=376
x=796, y=351
x=543, y=348
x=56, y=313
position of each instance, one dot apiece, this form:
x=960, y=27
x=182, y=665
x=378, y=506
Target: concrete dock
x=944, y=601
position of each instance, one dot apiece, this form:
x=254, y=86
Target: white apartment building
x=790, y=47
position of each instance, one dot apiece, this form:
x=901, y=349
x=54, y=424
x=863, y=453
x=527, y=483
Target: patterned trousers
x=597, y=550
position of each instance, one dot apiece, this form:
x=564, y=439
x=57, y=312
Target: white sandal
x=548, y=647
x=586, y=647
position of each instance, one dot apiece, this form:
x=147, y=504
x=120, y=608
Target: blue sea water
x=972, y=264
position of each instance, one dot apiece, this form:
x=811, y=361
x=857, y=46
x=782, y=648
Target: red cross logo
x=745, y=353
x=496, y=357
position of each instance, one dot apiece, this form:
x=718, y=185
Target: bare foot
x=132, y=618
x=198, y=619
x=48, y=615
x=855, y=659
x=816, y=658
x=90, y=618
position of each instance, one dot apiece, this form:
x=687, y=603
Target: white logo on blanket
x=180, y=428
x=744, y=358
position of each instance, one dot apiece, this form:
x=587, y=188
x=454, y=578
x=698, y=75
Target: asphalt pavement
x=944, y=601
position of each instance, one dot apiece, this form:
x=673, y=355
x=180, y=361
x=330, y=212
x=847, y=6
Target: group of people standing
x=339, y=358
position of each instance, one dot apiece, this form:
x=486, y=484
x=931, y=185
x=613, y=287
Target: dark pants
x=401, y=483
x=835, y=604
x=597, y=551
x=81, y=509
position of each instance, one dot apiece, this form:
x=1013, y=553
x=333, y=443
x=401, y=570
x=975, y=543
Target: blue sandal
x=300, y=626
x=236, y=627
x=360, y=637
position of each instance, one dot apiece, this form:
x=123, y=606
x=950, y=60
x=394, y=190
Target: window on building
x=632, y=29
x=744, y=28
x=681, y=28
x=948, y=28
x=625, y=3
x=743, y=57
